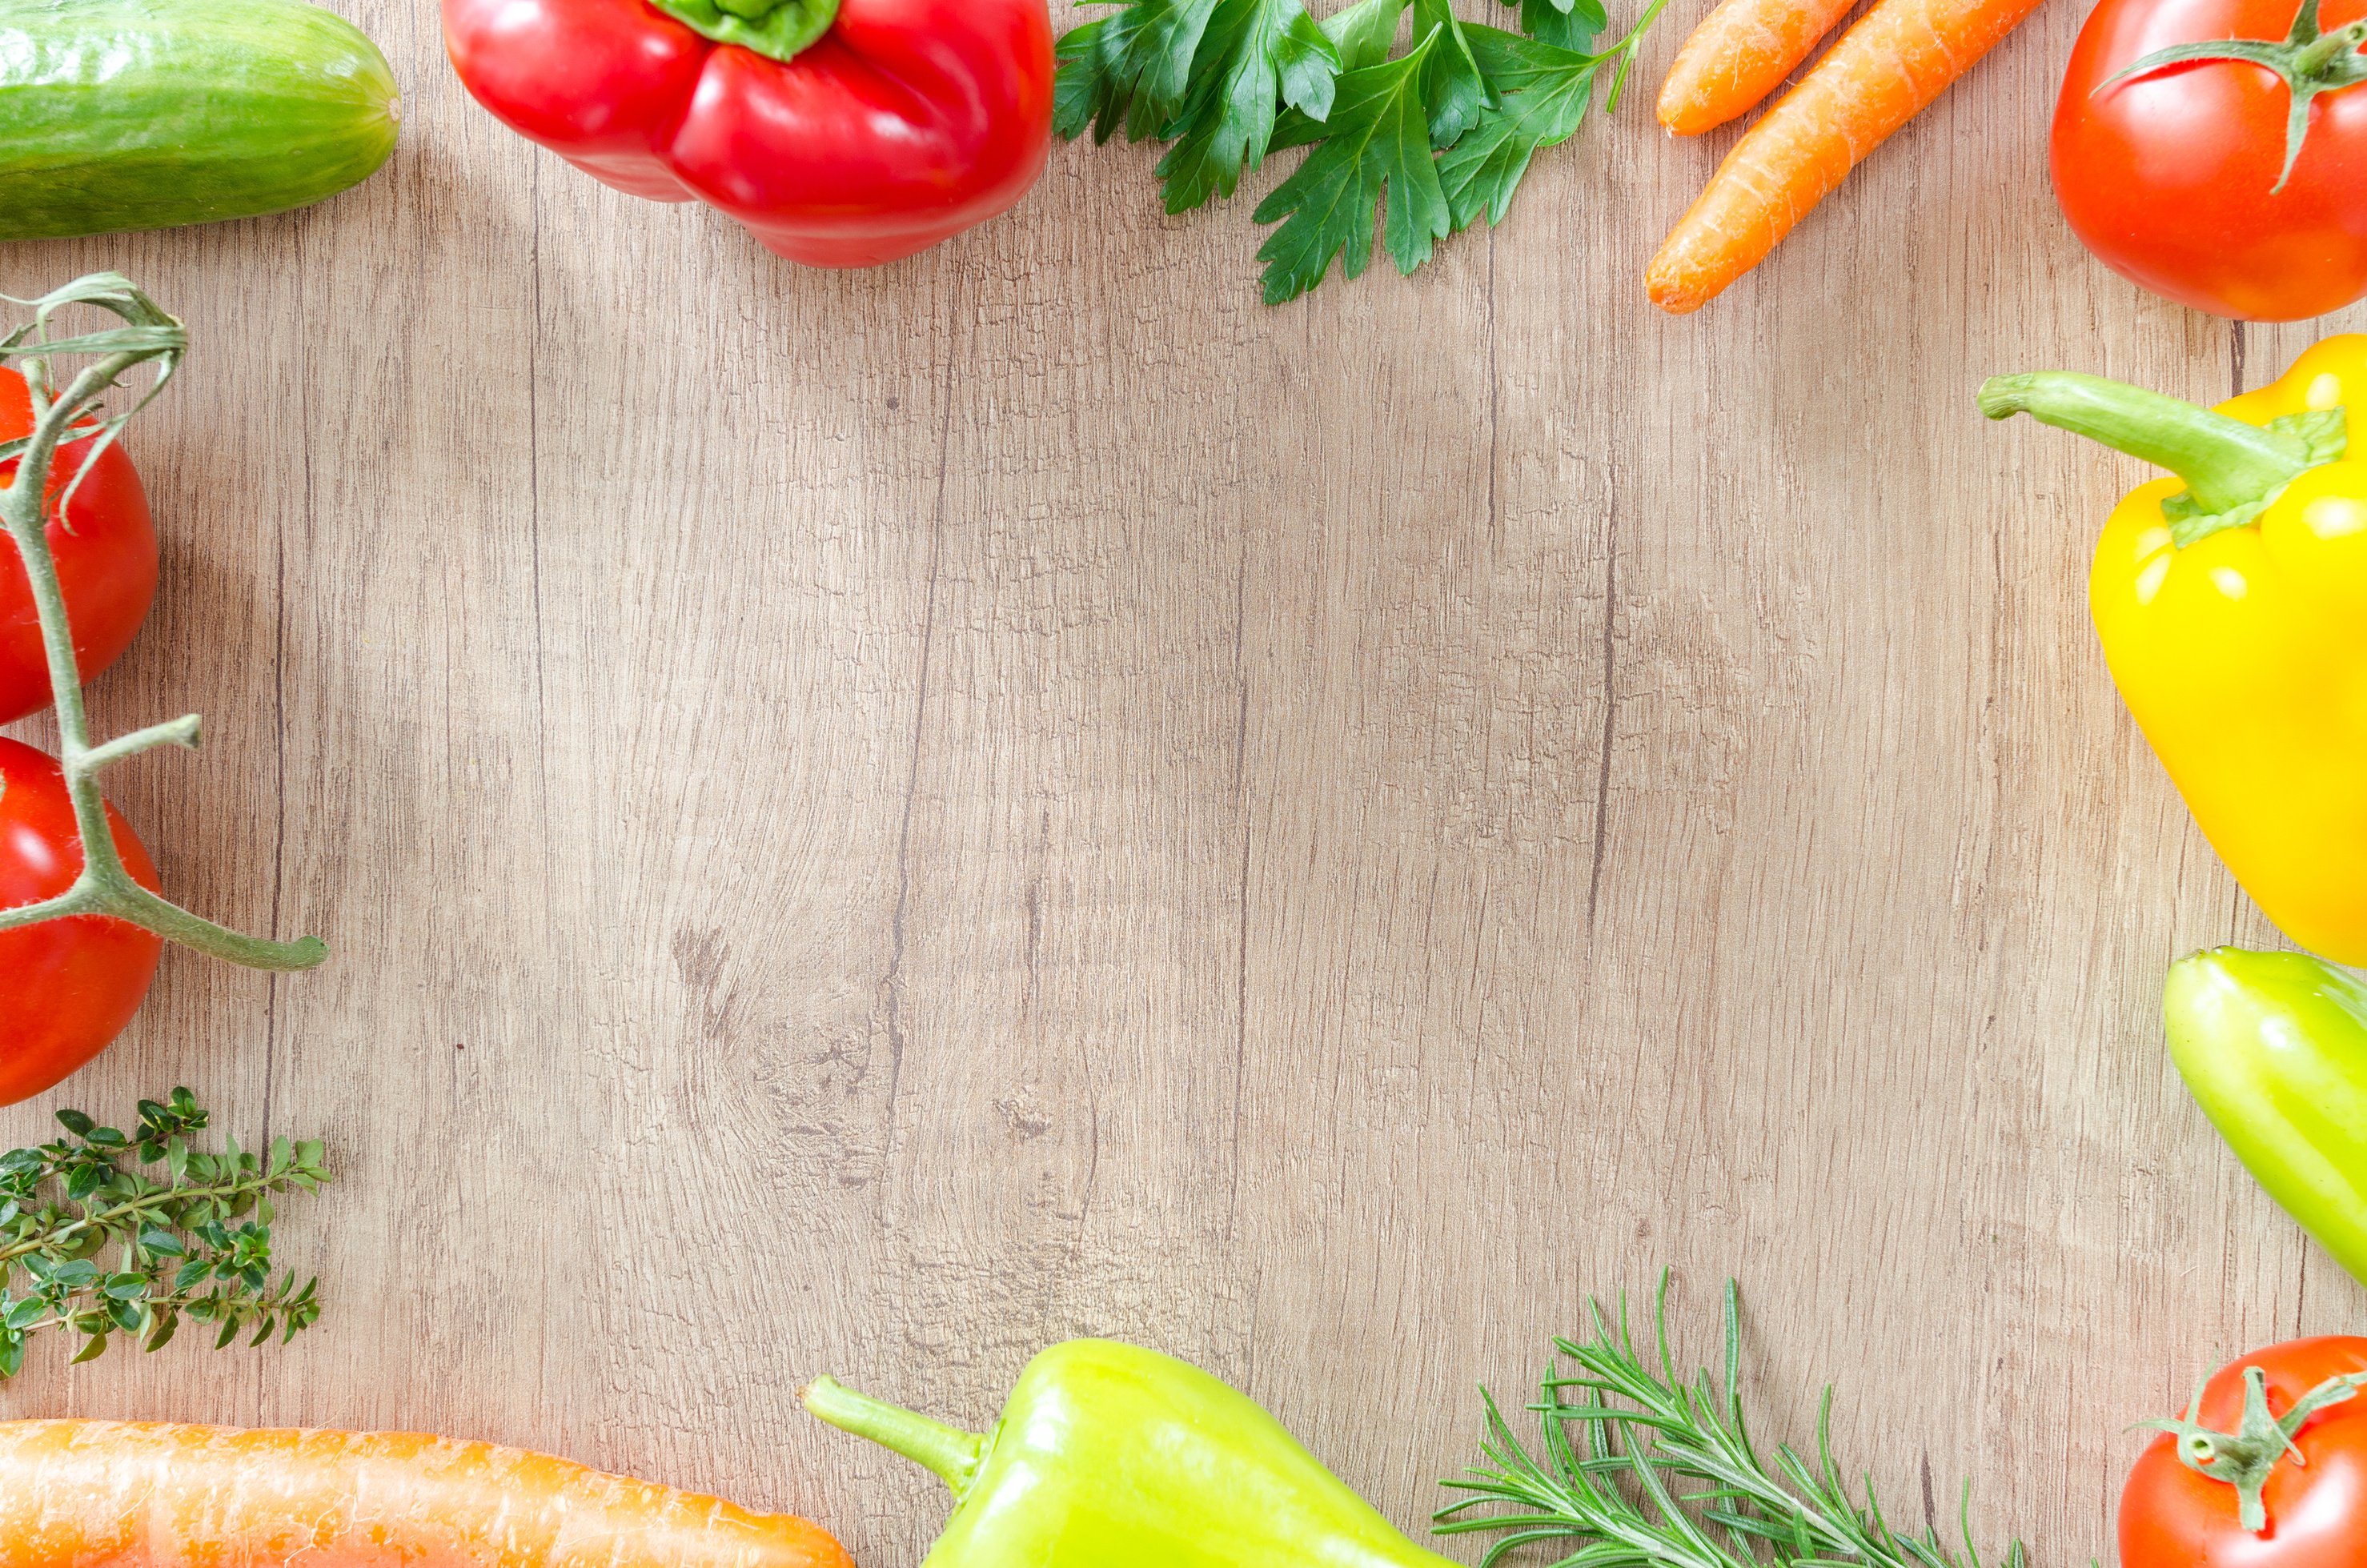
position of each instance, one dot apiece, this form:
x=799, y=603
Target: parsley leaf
x=1452, y=85
x=1565, y=24
x=1543, y=94
x=1377, y=140
x=1273, y=51
x=1365, y=31
x=1131, y=69
x=1417, y=144
x=1206, y=74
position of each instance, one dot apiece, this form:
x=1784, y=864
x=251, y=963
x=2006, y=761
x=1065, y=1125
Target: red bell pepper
x=840, y=132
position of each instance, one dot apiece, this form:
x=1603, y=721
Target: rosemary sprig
x=1640, y=1469
x=194, y=1245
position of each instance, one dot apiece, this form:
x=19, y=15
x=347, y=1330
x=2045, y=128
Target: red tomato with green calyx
x=67, y=988
x=2220, y=1489
x=2188, y=174
x=104, y=547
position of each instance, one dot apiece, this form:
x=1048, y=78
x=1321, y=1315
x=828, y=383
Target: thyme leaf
x=93, y=1245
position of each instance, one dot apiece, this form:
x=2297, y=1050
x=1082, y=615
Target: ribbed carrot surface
x=112, y=1494
x=1740, y=53
x=1900, y=57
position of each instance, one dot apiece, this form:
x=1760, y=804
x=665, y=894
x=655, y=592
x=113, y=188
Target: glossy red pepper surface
x=903, y=124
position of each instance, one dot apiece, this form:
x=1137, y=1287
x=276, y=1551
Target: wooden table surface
x=873, y=822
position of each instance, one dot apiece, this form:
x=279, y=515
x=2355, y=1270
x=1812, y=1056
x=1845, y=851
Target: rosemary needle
x=1639, y=1468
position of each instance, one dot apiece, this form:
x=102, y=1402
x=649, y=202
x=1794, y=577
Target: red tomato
x=67, y=988
x=105, y=553
x=2170, y=176
x=2174, y=1518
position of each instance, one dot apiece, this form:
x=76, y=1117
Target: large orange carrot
x=1740, y=53
x=112, y=1494
x=1903, y=54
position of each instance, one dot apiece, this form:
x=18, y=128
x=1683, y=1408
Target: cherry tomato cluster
x=67, y=988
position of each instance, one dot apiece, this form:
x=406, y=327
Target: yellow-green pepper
x=2274, y=1046
x=2232, y=606
x=1108, y=1456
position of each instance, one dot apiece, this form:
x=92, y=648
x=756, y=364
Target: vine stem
x=104, y=886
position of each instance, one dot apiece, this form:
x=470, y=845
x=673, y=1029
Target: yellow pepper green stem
x=2274, y=1047
x=2229, y=601
x=1110, y=1456
x=2227, y=464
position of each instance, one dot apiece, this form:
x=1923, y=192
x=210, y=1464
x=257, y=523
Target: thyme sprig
x=63, y=414
x=1640, y=1469
x=195, y=1243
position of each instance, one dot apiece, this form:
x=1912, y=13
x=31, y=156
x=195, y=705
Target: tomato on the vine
x=67, y=988
x=2189, y=174
x=2222, y=1489
x=105, y=546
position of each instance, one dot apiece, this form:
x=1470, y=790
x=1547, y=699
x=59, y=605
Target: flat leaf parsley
x=1416, y=131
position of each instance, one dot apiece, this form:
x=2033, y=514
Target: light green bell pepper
x=1108, y=1456
x=2274, y=1046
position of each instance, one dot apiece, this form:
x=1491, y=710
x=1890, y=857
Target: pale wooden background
x=873, y=822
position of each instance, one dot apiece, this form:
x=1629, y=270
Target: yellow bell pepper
x=2232, y=605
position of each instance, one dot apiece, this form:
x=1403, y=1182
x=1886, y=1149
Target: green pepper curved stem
x=778, y=29
x=2225, y=463
x=951, y=1452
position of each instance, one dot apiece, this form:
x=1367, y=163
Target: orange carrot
x=114, y=1494
x=1740, y=53
x=1903, y=54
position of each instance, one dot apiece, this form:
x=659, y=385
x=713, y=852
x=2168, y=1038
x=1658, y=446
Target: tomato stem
x=2245, y=1459
x=2307, y=61
x=104, y=886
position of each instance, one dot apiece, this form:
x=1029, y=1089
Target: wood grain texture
x=872, y=822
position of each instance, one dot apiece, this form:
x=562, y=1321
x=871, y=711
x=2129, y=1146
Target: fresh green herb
x=1431, y=136
x=195, y=1243
x=1642, y=1469
x=1543, y=91
x=1376, y=141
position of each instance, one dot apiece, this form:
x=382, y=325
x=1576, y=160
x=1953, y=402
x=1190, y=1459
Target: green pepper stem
x=951, y=1452
x=2225, y=463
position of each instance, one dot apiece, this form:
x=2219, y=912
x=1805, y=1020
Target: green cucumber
x=149, y=114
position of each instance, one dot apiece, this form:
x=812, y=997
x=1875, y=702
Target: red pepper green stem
x=2225, y=463
x=106, y=886
x=949, y=1452
x=778, y=29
